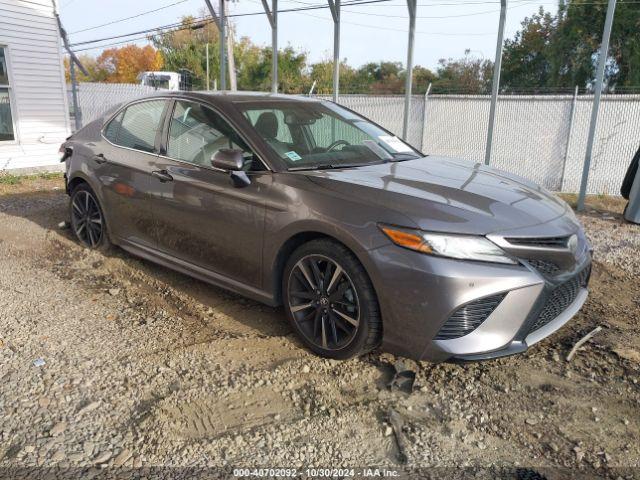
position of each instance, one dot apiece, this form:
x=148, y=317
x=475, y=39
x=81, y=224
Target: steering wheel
x=337, y=143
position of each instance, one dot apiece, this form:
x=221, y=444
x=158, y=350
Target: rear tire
x=87, y=219
x=330, y=301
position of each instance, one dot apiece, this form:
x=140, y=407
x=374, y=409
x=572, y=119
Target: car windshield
x=312, y=135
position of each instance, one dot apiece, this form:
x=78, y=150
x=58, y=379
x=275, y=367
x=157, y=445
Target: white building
x=34, y=118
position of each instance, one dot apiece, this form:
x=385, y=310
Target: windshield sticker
x=293, y=156
x=395, y=143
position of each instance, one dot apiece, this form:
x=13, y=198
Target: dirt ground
x=111, y=361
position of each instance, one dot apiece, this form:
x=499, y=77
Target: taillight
x=64, y=152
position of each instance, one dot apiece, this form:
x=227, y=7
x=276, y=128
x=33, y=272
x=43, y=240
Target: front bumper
x=419, y=293
x=520, y=345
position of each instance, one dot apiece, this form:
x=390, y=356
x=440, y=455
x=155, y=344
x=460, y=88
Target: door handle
x=162, y=175
x=100, y=159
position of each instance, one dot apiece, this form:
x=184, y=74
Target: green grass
x=50, y=175
x=10, y=179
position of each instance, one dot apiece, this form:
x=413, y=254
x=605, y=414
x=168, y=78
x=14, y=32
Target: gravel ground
x=111, y=361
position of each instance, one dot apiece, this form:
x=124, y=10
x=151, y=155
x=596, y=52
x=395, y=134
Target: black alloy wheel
x=324, y=302
x=87, y=221
x=330, y=301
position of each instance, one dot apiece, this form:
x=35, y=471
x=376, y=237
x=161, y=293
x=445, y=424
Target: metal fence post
x=334, y=6
x=496, y=81
x=411, y=4
x=572, y=115
x=602, y=61
x=77, y=112
x=424, y=117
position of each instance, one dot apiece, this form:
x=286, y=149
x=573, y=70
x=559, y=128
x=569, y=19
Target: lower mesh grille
x=469, y=317
x=560, y=298
x=545, y=267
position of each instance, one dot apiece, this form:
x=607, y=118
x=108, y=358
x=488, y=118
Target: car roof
x=225, y=97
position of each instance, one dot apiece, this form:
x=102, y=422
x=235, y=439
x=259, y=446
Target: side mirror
x=232, y=161
x=228, y=159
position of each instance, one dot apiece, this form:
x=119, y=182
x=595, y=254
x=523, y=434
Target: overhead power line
x=287, y=10
x=200, y=22
x=128, y=18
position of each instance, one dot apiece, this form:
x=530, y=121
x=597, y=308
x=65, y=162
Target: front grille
x=539, y=242
x=469, y=317
x=560, y=298
x=546, y=267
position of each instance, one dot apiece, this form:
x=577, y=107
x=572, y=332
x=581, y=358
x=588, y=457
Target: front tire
x=330, y=301
x=87, y=219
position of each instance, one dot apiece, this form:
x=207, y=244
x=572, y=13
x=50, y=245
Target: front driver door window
x=201, y=217
x=196, y=133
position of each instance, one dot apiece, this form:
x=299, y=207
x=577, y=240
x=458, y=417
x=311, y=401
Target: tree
x=322, y=74
x=96, y=74
x=124, y=64
x=562, y=50
x=527, y=60
x=422, y=77
x=185, y=48
x=580, y=25
x=465, y=75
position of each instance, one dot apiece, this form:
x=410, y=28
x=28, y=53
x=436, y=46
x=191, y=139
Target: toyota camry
x=364, y=240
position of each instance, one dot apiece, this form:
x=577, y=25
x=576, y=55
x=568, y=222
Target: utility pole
x=495, y=87
x=230, y=58
x=207, y=54
x=602, y=62
x=272, y=15
x=219, y=21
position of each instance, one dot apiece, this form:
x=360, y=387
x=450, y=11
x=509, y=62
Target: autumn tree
x=124, y=64
x=96, y=74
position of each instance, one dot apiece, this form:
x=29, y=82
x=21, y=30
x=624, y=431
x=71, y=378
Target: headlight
x=463, y=247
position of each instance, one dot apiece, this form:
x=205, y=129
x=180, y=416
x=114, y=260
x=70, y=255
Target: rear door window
x=137, y=126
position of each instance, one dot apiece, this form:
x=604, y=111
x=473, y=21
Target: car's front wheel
x=330, y=301
x=87, y=220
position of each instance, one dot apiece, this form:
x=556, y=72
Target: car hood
x=445, y=194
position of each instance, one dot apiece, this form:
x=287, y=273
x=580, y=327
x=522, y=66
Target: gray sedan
x=364, y=240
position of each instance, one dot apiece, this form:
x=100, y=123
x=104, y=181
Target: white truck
x=166, y=80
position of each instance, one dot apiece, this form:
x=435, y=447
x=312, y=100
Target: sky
x=369, y=33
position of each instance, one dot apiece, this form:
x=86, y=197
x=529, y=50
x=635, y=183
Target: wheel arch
x=79, y=178
x=291, y=244
x=74, y=181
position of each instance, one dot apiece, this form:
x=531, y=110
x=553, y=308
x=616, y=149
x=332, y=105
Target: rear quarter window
x=113, y=127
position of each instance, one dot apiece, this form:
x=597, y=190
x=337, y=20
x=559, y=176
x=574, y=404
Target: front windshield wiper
x=331, y=166
x=401, y=156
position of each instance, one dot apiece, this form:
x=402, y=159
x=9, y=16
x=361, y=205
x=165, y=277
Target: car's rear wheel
x=330, y=302
x=87, y=220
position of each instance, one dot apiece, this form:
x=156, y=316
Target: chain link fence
x=388, y=111
x=540, y=137
x=94, y=99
